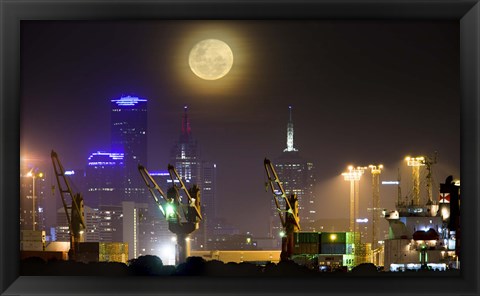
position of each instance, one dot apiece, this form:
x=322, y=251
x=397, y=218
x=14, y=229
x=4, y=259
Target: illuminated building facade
x=141, y=230
x=92, y=220
x=26, y=203
x=298, y=178
x=129, y=136
x=111, y=223
x=104, y=179
x=185, y=155
x=208, y=198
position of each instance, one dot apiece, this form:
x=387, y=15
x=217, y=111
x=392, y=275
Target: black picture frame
x=13, y=12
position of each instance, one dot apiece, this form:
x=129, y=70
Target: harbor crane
x=183, y=216
x=75, y=217
x=289, y=216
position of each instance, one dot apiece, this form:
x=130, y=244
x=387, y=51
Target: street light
x=33, y=176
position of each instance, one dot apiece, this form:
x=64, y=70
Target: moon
x=210, y=59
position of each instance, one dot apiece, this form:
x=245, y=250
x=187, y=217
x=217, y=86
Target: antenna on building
x=290, y=132
x=185, y=122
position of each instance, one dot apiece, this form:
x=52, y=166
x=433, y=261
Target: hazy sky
x=362, y=92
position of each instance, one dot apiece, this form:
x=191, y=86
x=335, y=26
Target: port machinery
x=183, y=215
x=289, y=216
x=75, y=217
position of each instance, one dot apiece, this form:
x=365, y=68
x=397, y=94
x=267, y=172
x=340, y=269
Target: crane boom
x=75, y=219
x=274, y=180
x=184, y=222
x=193, y=203
x=164, y=203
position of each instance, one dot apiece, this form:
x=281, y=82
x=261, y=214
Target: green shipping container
x=305, y=248
x=333, y=237
x=333, y=248
x=306, y=237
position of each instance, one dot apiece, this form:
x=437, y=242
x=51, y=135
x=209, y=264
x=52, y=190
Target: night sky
x=363, y=92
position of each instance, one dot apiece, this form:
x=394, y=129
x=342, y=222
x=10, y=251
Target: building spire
x=290, y=132
x=185, y=122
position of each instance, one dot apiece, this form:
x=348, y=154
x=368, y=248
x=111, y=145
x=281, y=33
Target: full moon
x=210, y=59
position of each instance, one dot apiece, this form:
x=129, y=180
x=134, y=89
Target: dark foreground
x=196, y=266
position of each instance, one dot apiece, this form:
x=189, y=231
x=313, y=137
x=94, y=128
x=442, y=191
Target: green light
x=169, y=210
x=282, y=233
x=333, y=236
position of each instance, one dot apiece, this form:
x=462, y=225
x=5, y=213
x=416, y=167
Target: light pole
x=33, y=176
x=376, y=170
x=416, y=163
x=354, y=175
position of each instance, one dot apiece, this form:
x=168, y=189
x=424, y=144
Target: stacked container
x=306, y=242
x=32, y=240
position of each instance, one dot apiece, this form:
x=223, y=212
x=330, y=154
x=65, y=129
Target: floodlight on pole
x=415, y=163
x=353, y=175
x=376, y=170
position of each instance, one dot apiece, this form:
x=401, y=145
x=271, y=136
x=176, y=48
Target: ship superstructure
x=424, y=234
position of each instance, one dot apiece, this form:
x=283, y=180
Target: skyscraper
x=104, y=175
x=298, y=178
x=185, y=155
x=32, y=185
x=129, y=136
x=208, y=200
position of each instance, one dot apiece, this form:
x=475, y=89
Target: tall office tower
x=298, y=178
x=162, y=177
x=104, y=175
x=32, y=185
x=129, y=136
x=92, y=221
x=141, y=231
x=185, y=155
x=208, y=201
x=111, y=223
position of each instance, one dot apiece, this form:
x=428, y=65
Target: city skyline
x=245, y=121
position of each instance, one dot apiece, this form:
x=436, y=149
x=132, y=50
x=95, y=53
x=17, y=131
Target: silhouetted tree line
x=150, y=265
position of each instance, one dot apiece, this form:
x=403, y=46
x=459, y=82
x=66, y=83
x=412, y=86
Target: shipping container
x=32, y=235
x=305, y=248
x=45, y=255
x=306, y=237
x=349, y=236
x=102, y=252
x=333, y=248
x=31, y=246
x=113, y=252
x=333, y=237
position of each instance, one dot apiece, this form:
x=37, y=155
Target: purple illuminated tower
x=129, y=136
